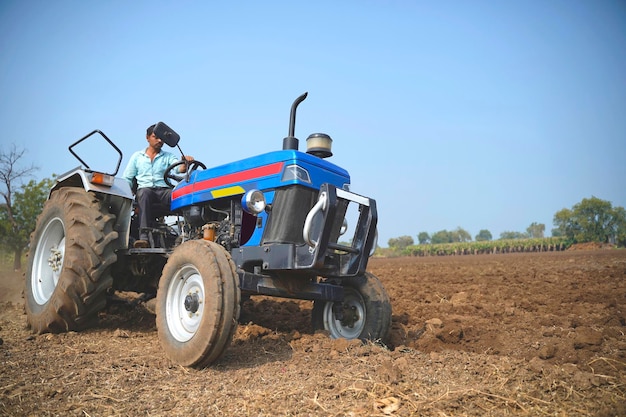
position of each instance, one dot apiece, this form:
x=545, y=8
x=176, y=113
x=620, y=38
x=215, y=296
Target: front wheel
x=364, y=313
x=197, y=303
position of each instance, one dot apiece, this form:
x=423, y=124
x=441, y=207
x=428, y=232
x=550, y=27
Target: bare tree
x=11, y=176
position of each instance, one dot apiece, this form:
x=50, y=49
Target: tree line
x=590, y=220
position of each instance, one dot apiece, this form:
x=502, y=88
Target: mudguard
x=119, y=195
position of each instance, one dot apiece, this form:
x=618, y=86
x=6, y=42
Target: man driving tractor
x=152, y=194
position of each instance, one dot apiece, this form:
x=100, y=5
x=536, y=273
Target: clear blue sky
x=480, y=114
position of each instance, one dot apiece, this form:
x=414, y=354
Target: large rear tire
x=71, y=252
x=365, y=312
x=198, y=303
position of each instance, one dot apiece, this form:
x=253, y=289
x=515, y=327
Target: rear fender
x=119, y=198
x=78, y=177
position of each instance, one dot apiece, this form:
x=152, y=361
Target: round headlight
x=253, y=202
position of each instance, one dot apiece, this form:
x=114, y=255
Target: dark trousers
x=153, y=202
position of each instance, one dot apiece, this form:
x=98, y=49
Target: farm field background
x=503, y=334
x=544, y=244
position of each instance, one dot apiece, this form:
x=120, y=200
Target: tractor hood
x=266, y=172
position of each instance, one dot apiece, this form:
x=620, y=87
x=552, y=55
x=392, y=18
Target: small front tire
x=365, y=312
x=198, y=303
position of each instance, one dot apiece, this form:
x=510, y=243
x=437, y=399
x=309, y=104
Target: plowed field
x=508, y=334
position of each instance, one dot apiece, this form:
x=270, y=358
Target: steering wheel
x=169, y=175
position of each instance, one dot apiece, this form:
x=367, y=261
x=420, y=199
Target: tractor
x=280, y=224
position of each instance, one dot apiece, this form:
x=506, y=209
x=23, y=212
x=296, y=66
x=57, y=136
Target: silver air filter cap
x=319, y=144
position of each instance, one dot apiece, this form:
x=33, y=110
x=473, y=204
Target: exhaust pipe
x=291, y=142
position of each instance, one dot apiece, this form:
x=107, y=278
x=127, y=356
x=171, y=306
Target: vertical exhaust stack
x=291, y=142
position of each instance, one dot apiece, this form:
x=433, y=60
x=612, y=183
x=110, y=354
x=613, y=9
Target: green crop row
x=488, y=247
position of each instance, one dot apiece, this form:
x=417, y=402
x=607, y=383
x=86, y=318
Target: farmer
x=152, y=195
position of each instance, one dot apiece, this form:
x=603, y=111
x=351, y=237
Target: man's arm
x=183, y=168
x=131, y=170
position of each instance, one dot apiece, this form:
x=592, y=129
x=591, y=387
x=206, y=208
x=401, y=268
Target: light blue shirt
x=148, y=173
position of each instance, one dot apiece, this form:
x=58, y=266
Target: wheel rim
x=185, y=303
x=353, y=308
x=48, y=261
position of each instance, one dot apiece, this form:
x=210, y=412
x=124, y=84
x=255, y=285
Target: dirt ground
x=508, y=334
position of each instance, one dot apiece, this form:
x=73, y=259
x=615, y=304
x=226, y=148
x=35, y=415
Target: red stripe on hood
x=236, y=177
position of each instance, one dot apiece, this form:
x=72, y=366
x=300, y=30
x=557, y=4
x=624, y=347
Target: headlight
x=296, y=173
x=253, y=202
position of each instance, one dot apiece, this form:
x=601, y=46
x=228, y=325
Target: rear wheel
x=197, y=303
x=365, y=312
x=71, y=252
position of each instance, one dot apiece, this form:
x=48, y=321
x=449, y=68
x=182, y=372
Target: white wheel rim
x=183, y=323
x=356, y=306
x=48, y=261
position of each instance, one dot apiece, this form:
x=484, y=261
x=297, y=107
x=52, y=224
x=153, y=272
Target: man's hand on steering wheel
x=188, y=166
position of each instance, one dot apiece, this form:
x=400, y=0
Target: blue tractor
x=281, y=224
